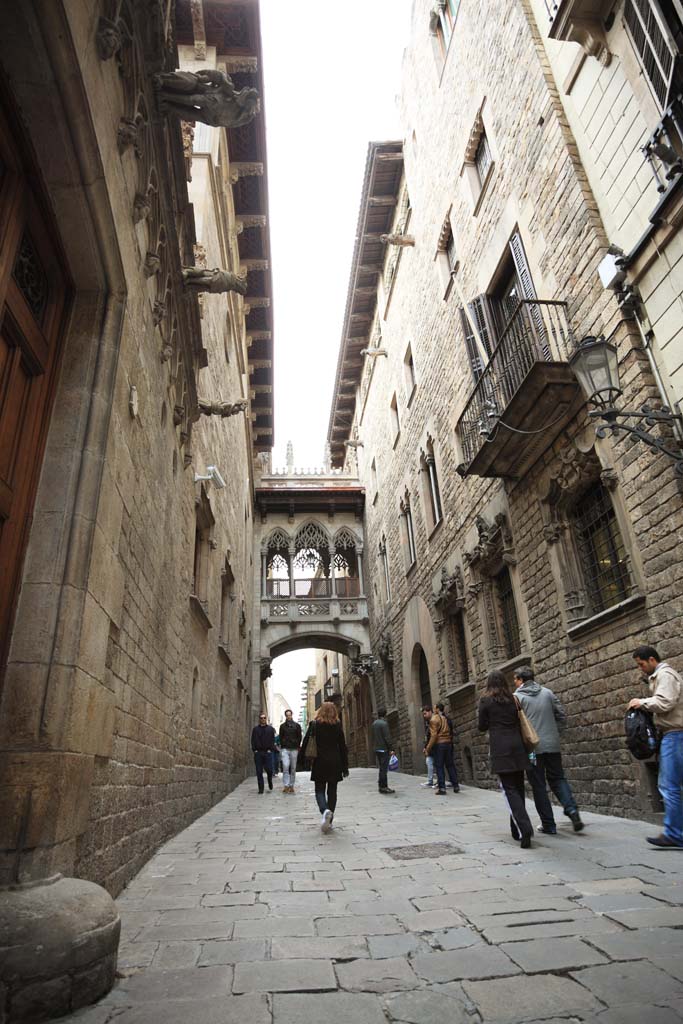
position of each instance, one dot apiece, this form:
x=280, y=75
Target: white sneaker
x=326, y=821
x=427, y=785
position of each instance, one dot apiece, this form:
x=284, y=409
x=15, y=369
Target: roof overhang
x=234, y=28
x=381, y=184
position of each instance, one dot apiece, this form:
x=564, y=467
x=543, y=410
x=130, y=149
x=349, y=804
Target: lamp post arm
x=650, y=416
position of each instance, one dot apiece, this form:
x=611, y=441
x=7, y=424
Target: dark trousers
x=513, y=787
x=444, y=763
x=383, y=765
x=548, y=771
x=329, y=802
x=263, y=760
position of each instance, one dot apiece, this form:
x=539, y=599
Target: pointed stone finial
x=290, y=457
x=327, y=458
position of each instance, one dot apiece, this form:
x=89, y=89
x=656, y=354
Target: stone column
x=359, y=563
x=333, y=578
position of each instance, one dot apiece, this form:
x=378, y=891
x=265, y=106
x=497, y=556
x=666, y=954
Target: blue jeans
x=263, y=760
x=548, y=769
x=430, y=768
x=329, y=802
x=443, y=762
x=670, y=783
x=383, y=765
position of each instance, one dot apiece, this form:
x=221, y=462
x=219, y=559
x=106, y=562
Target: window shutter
x=475, y=359
x=528, y=291
x=482, y=314
x=522, y=267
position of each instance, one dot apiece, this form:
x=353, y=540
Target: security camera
x=212, y=476
x=218, y=480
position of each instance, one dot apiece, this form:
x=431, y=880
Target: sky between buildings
x=332, y=72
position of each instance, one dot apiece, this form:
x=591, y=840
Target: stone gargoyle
x=208, y=96
x=215, y=281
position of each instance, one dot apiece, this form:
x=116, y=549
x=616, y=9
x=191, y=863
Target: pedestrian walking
x=546, y=714
x=276, y=754
x=290, y=742
x=438, y=745
x=262, y=744
x=331, y=761
x=499, y=716
x=666, y=702
x=382, y=745
x=449, y=764
x=427, y=713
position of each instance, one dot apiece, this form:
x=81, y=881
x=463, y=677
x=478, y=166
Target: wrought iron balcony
x=664, y=149
x=525, y=395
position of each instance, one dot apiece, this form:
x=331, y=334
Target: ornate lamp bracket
x=647, y=417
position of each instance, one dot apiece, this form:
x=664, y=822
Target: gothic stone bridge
x=310, y=591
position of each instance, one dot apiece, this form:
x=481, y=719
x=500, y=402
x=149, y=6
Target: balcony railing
x=664, y=149
x=537, y=332
x=318, y=587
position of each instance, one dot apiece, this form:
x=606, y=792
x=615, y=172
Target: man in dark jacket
x=548, y=718
x=290, y=741
x=262, y=745
x=449, y=754
x=382, y=745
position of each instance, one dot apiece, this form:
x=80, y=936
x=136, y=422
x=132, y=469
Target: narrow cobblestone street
x=251, y=915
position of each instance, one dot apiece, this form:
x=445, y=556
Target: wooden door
x=33, y=294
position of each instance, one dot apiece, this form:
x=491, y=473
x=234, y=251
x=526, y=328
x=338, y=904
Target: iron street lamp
x=596, y=367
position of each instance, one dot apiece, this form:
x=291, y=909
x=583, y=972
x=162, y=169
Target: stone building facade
x=500, y=528
x=125, y=703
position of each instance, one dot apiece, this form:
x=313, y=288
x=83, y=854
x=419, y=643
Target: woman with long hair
x=499, y=716
x=331, y=762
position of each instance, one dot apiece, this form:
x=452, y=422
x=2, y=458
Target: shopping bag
x=393, y=763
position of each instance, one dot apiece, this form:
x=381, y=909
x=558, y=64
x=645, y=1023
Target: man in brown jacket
x=666, y=688
x=439, y=746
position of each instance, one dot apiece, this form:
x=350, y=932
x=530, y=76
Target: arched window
x=277, y=581
x=312, y=562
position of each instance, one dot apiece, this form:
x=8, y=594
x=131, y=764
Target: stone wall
x=538, y=186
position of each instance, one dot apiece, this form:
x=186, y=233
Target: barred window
x=508, y=614
x=602, y=554
x=482, y=158
x=458, y=648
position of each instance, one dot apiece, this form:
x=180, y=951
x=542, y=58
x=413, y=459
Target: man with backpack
x=548, y=718
x=666, y=702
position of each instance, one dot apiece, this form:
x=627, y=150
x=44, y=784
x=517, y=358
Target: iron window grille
x=482, y=158
x=508, y=614
x=654, y=44
x=458, y=642
x=602, y=554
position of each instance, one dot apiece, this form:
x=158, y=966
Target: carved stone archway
x=418, y=633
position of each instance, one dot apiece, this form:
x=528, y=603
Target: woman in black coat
x=331, y=762
x=499, y=716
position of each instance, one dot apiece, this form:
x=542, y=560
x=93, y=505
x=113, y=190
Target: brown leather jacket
x=438, y=731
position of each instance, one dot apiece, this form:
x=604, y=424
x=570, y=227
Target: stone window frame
x=442, y=21
x=449, y=601
x=228, y=598
x=408, y=544
x=395, y=419
x=493, y=552
x=469, y=172
x=385, y=570
x=445, y=257
x=429, y=485
x=203, y=545
x=409, y=374
x=573, y=473
x=374, y=485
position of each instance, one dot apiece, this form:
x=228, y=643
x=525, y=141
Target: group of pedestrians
x=516, y=759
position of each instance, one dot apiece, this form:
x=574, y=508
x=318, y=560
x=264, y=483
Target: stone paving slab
x=276, y=923
x=285, y=976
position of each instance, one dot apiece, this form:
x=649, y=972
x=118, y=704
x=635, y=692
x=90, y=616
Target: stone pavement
x=252, y=916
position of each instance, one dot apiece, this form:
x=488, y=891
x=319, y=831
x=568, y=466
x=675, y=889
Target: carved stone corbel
x=107, y=39
x=223, y=409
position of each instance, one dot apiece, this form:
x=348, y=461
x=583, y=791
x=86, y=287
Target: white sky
x=331, y=72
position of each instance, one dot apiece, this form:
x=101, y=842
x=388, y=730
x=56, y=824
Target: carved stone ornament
x=397, y=239
x=208, y=96
x=451, y=595
x=166, y=353
x=142, y=205
x=158, y=311
x=152, y=264
x=385, y=649
x=609, y=478
x=494, y=547
x=127, y=134
x=223, y=409
x=107, y=39
x=215, y=281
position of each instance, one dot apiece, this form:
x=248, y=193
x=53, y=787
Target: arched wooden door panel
x=33, y=295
